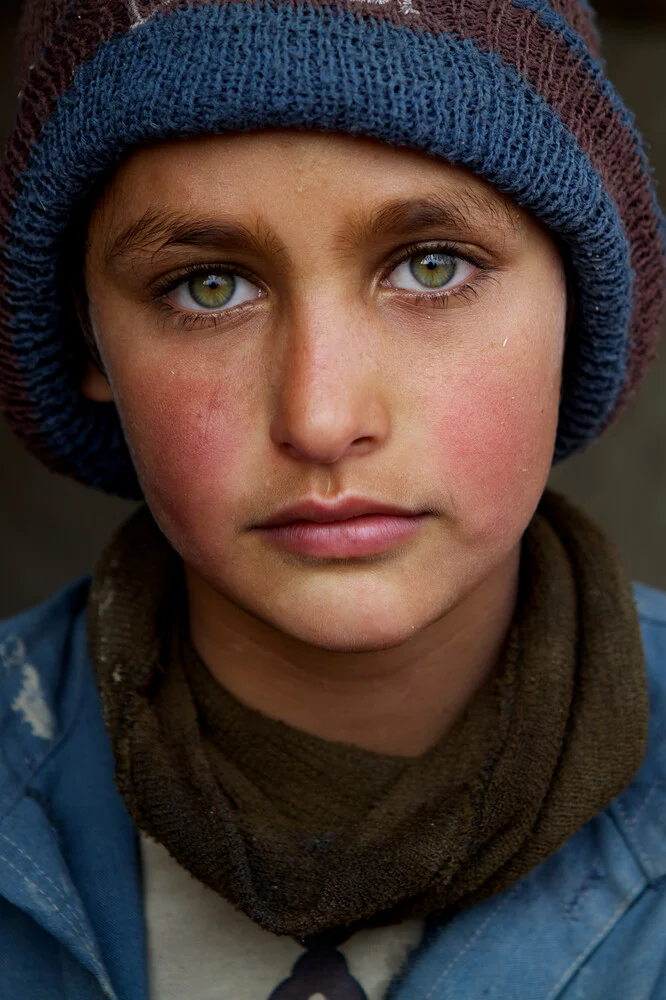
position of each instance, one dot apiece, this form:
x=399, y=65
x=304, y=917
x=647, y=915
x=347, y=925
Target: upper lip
x=316, y=510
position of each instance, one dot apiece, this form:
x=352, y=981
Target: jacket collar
x=639, y=812
x=539, y=932
x=68, y=849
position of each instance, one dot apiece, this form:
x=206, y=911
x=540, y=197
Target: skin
x=333, y=378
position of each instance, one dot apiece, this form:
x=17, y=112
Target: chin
x=340, y=636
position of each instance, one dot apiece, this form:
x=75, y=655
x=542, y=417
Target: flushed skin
x=332, y=379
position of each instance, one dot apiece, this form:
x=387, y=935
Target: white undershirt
x=202, y=948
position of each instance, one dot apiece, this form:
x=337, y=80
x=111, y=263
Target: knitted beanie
x=511, y=89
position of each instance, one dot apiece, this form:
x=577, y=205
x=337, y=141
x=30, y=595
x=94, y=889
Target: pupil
x=433, y=270
x=212, y=291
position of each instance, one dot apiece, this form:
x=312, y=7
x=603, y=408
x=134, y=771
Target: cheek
x=190, y=439
x=496, y=432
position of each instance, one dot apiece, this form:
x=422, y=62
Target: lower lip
x=367, y=535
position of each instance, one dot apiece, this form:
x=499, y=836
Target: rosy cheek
x=495, y=449
x=189, y=437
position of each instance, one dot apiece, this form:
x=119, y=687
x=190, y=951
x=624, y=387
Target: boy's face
x=290, y=315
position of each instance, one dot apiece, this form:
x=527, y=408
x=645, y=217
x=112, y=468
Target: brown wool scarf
x=306, y=835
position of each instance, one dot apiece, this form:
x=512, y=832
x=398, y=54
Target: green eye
x=212, y=291
x=433, y=270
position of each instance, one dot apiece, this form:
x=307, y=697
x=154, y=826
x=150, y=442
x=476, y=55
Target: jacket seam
x=501, y=903
x=67, y=906
x=77, y=928
x=629, y=822
x=585, y=954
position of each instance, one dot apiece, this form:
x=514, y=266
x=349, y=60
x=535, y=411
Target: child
x=351, y=707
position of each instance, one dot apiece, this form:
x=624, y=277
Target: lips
x=353, y=527
x=323, y=513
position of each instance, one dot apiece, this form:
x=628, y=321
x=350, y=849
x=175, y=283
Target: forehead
x=251, y=169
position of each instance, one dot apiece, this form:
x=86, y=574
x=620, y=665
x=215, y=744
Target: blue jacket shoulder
x=50, y=618
x=39, y=649
x=639, y=811
x=651, y=606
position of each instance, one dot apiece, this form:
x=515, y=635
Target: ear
x=95, y=385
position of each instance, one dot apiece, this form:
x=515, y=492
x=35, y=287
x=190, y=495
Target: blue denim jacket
x=589, y=922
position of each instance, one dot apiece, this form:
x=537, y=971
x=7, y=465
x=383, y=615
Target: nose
x=330, y=396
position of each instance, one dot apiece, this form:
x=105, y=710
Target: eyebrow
x=458, y=217
x=156, y=231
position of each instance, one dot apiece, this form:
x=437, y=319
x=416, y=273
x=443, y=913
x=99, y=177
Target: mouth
x=320, y=512
x=356, y=536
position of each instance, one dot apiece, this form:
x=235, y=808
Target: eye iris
x=433, y=270
x=212, y=291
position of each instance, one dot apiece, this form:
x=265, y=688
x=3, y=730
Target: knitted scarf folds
x=306, y=835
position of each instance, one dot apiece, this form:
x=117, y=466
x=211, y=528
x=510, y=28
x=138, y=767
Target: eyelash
x=468, y=291
x=440, y=300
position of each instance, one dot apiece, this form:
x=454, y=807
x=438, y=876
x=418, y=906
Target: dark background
x=52, y=529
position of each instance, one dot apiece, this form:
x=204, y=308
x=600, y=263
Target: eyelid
x=433, y=246
x=167, y=283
